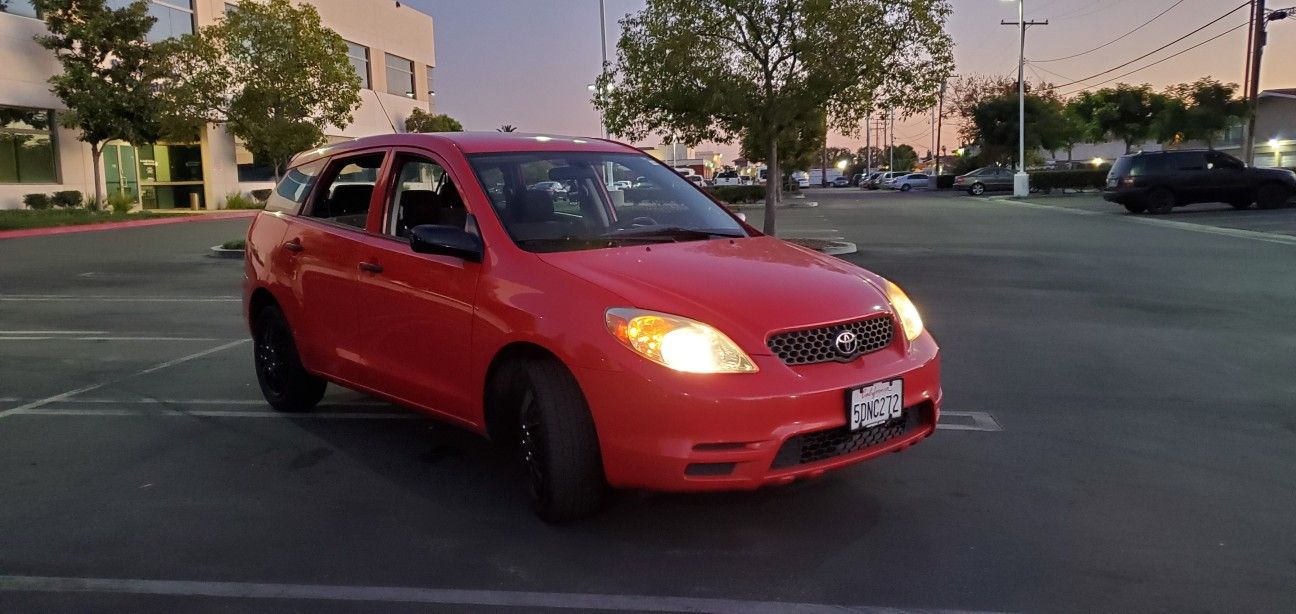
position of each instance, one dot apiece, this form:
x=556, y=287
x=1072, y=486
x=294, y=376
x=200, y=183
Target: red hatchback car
x=641, y=337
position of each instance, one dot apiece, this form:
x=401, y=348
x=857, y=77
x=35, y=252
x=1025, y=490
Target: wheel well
x=498, y=422
x=261, y=298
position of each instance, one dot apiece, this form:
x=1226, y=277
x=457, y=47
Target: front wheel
x=905, y=187
x=1240, y=204
x=977, y=189
x=285, y=383
x=1272, y=196
x=557, y=442
x=1135, y=207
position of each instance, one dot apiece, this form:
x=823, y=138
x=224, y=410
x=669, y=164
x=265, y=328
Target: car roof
x=473, y=143
x=1168, y=151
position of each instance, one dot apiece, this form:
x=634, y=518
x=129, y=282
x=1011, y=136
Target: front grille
x=815, y=345
x=823, y=445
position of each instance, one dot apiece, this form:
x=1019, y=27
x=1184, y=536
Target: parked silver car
x=984, y=180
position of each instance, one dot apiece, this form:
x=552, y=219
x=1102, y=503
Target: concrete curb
x=220, y=252
x=179, y=219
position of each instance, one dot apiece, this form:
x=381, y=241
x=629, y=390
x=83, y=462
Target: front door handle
x=294, y=246
x=371, y=267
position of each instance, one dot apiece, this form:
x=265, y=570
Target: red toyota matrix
x=587, y=306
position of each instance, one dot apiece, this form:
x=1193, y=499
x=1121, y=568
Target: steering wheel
x=643, y=221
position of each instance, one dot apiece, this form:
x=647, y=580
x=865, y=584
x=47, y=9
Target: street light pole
x=603, y=66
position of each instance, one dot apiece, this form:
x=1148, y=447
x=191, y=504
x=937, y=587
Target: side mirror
x=446, y=241
x=742, y=217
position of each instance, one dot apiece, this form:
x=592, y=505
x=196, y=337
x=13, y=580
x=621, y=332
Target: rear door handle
x=371, y=267
x=294, y=246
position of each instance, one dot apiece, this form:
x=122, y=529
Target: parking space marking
x=105, y=338
x=981, y=421
x=118, y=299
x=53, y=332
x=436, y=596
x=216, y=413
x=1236, y=233
x=71, y=393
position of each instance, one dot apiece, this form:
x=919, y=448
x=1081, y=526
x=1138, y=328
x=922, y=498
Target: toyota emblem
x=847, y=343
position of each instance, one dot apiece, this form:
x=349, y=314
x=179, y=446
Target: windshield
x=562, y=201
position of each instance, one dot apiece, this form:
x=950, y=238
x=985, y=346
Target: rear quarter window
x=295, y=186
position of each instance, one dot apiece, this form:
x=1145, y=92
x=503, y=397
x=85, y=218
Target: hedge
x=738, y=194
x=1088, y=179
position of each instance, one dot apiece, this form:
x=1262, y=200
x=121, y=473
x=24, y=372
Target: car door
x=416, y=310
x=321, y=262
x=1227, y=178
x=1189, y=177
x=918, y=180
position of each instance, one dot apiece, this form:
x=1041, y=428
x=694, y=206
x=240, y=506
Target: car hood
x=747, y=288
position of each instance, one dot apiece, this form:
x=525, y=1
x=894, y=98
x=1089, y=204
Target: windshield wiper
x=671, y=233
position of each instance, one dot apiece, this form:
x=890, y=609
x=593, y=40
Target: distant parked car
x=879, y=180
x=984, y=180
x=801, y=179
x=867, y=180
x=904, y=183
x=1156, y=182
x=841, y=182
x=696, y=180
x=728, y=178
x=553, y=188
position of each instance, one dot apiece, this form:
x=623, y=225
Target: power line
x=1118, y=39
x=1162, y=60
x=1154, y=51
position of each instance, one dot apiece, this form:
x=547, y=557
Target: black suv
x=1156, y=182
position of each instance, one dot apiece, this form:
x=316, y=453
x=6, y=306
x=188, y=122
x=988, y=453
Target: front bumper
x=667, y=431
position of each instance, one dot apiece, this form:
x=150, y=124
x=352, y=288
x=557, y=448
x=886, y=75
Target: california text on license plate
x=875, y=404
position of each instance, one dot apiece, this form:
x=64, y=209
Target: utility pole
x=891, y=140
x=868, y=143
x=1246, y=77
x=1258, y=34
x=1021, y=181
x=940, y=120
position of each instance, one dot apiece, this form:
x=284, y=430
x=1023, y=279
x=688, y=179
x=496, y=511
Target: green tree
x=1071, y=130
x=1126, y=113
x=107, y=71
x=798, y=148
x=905, y=157
x=716, y=70
x=422, y=121
x=271, y=71
x=996, y=122
x=1199, y=111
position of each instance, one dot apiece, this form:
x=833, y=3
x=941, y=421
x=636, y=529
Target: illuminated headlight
x=905, y=310
x=679, y=343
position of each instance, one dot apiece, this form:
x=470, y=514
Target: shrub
x=37, y=201
x=1089, y=179
x=67, y=199
x=234, y=244
x=236, y=200
x=120, y=203
x=738, y=194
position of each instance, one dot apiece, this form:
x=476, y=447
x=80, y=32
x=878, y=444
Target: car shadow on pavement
x=477, y=484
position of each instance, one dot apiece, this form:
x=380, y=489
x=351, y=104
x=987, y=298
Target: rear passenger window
x=294, y=187
x=1190, y=162
x=348, y=187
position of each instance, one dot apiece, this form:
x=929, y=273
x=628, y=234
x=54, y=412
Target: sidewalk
x=179, y=218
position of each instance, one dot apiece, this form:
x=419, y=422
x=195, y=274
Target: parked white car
x=904, y=183
x=801, y=178
x=728, y=178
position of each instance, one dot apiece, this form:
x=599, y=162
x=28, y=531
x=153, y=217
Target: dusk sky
x=527, y=62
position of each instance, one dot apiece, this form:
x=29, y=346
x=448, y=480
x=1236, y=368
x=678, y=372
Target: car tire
x=1136, y=207
x=285, y=383
x=1272, y=196
x=904, y=187
x=1240, y=204
x=976, y=189
x=557, y=442
x=1159, y=201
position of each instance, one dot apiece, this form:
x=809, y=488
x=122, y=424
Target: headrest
x=536, y=206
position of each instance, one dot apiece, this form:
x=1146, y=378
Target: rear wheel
x=1160, y=201
x=904, y=187
x=285, y=383
x=1272, y=196
x=1135, y=207
x=556, y=441
x=976, y=189
x=1240, y=204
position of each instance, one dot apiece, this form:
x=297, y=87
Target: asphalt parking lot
x=1120, y=437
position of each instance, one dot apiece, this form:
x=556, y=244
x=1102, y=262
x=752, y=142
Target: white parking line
x=981, y=421
x=71, y=393
x=53, y=332
x=216, y=413
x=105, y=338
x=436, y=596
x=1237, y=233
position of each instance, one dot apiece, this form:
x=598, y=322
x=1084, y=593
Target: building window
x=359, y=57
x=400, y=76
x=18, y=7
x=27, y=153
x=175, y=18
x=431, y=90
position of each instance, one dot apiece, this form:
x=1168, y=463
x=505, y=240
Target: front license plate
x=875, y=404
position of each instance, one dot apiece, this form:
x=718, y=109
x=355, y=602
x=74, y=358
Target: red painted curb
x=179, y=219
